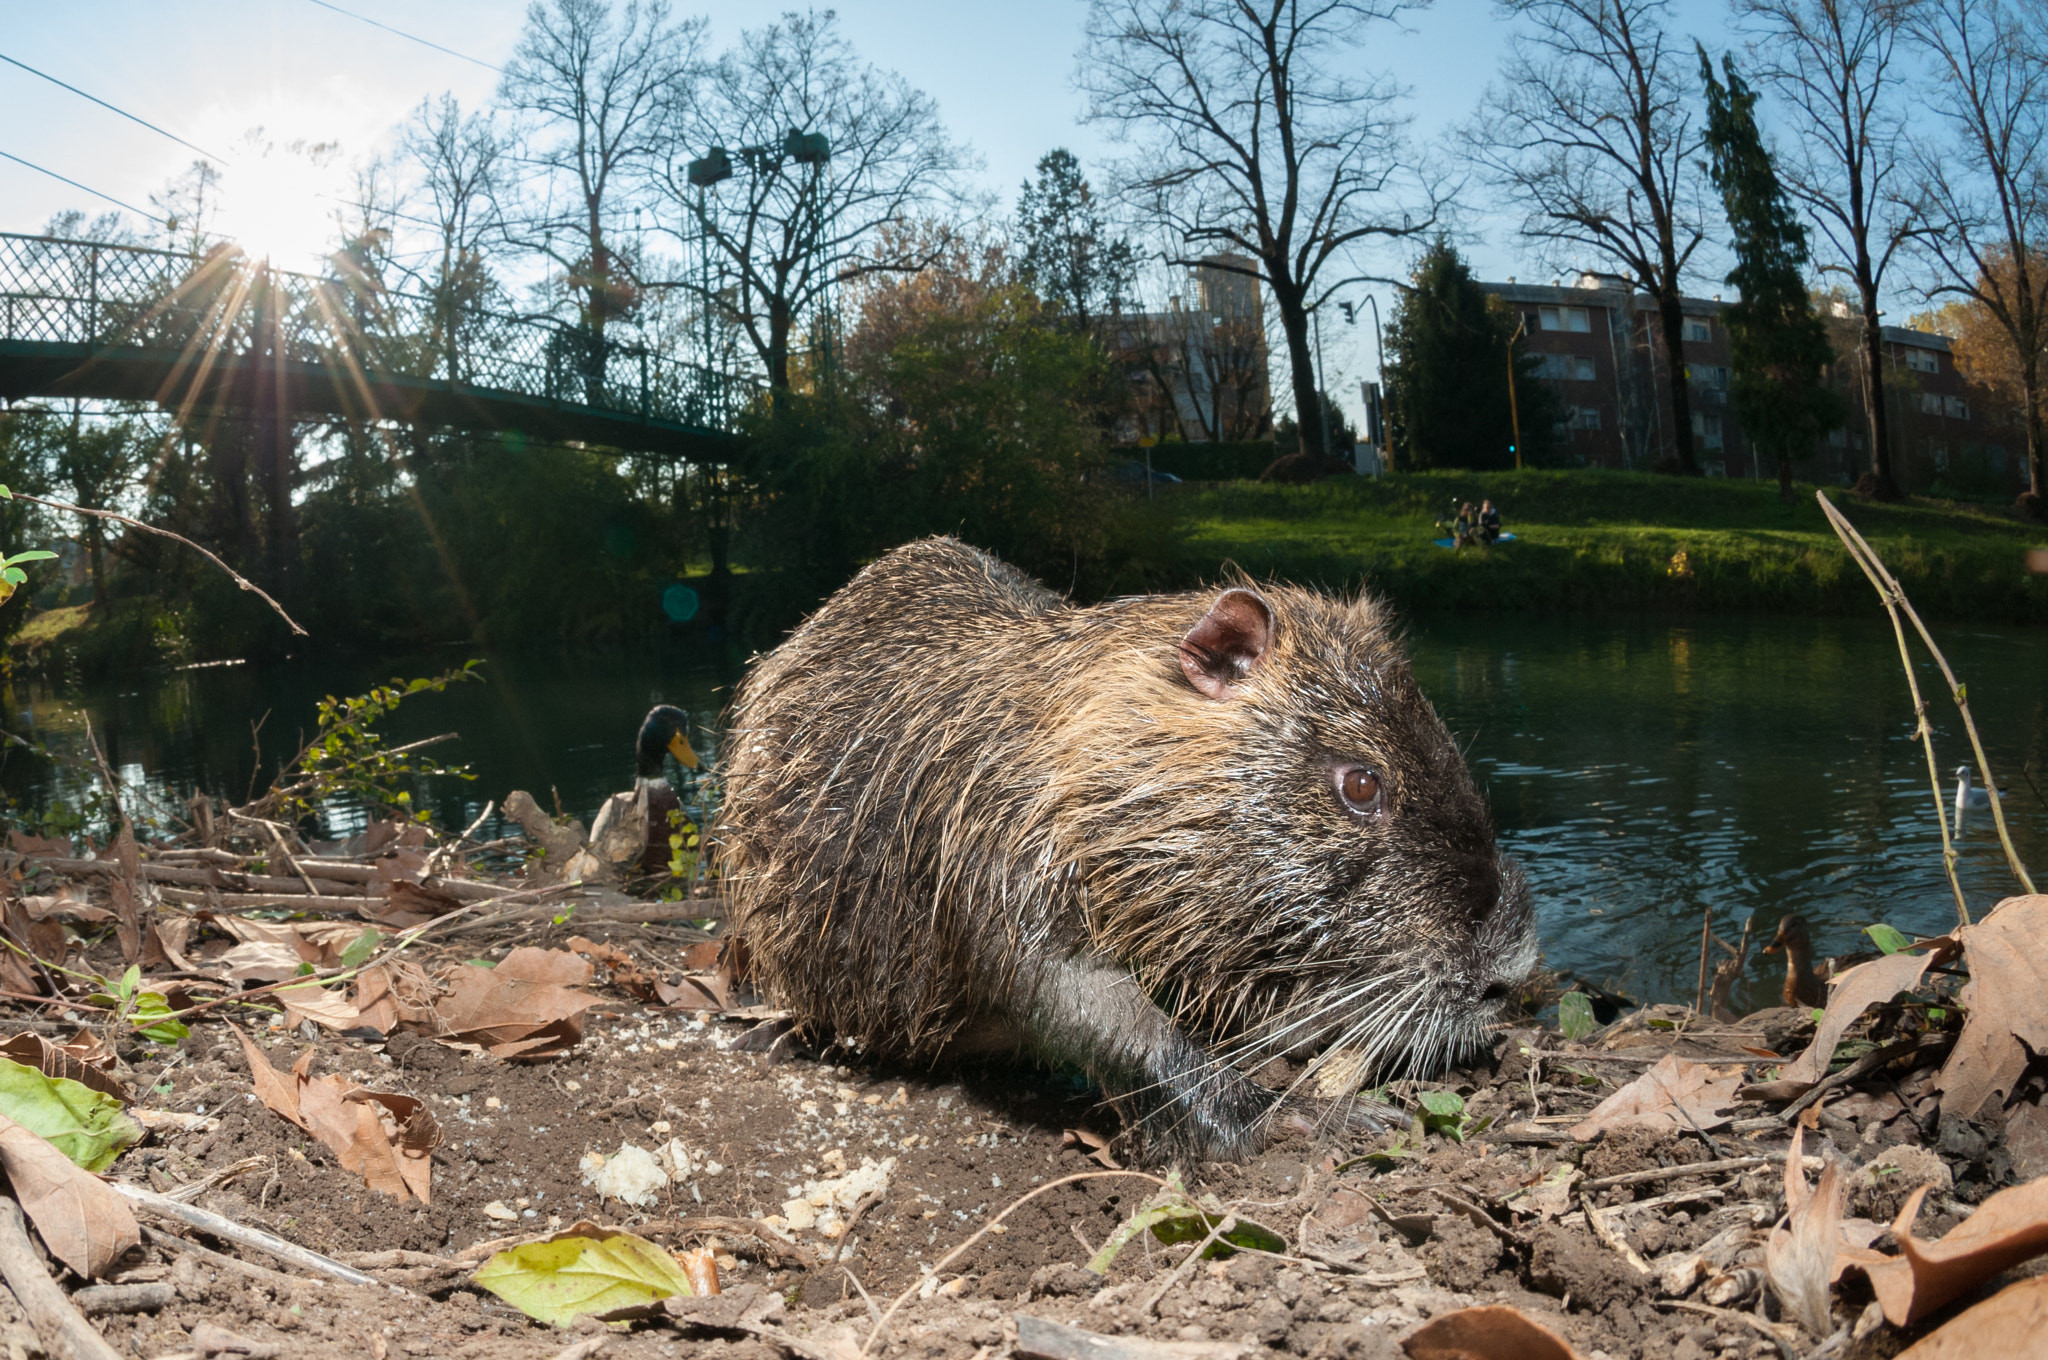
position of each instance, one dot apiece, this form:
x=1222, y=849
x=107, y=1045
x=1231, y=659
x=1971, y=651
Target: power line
x=110, y=108
x=147, y=217
x=364, y=18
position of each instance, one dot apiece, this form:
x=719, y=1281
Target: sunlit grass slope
x=1608, y=540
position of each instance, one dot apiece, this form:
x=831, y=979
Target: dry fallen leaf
x=1674, y=1094
x=693, y=992
x=394, y=993
x=1799, y=1259
x=2005, y=1004
x=2009, y=1227
x=53, y=1060
x=385, y=1138
x=528, y=1006
x=310, y=1001
x=1093, y=1144
x=85, y=1224
x=1495, y=1333
x=2010, y=1322
x=1856, y=991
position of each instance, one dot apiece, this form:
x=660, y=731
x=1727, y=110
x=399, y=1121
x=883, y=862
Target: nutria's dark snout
x=1166, y=839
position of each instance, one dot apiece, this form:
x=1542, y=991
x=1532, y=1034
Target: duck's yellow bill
x=679, y=747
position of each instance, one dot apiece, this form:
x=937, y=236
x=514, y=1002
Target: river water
x=1642, y=770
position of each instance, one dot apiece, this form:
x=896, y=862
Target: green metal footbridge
x=207, y=332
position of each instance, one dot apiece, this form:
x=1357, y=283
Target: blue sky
x=210, y=72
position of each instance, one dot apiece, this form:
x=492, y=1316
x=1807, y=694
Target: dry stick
x=1956, y=692
x=1864, y=1066
x=242, y=1235
x=1729, y=1314
x=64, y=1330
x=1924, y=731
x=239, y=579
x=283, y=850
x=1699, y=999
x=1015, y=1205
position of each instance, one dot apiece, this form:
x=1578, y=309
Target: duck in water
x=663, y=733
x=1803, y=985
x=1968, y=796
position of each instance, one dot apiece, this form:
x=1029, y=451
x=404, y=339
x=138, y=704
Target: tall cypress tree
x=1447, y=374
x=1778, y=343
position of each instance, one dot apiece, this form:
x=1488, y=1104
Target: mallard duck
x=665, y=732
x=1803, y=986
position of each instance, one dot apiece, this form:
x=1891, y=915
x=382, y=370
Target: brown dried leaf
x=2010, y=1322
x=1091, y=1143
x=310, y=1001
x=693, y=992
x=1799, y=1259
x=2005, y=1003
x=164, y=946
x=393, y=993
x=408, y=904
x=1493, y=1333
x=58, y=846
x=85, y=1224
x=68, y=903
x=130, y=896
x=1663, y=1097
x=33, y=1050
x=275, y=1089
x=2009, y=1227
x=258, y=961
x=524, y=1007
x=1857, y=990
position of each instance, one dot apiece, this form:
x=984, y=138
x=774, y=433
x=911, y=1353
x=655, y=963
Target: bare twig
x=956, y=1253
x=1598, y=1223
x=1730, y=1315
x=1699, y=1000
x=133, y=523
x=1173, y=1277
x=64, y=1330
x=241, y=1234
x=1895, y=600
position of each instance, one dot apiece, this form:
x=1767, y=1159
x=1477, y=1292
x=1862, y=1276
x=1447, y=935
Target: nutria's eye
x=1360, y=790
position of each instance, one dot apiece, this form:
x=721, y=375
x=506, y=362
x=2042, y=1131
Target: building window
x=1930, y=404
x=1564, y=368
x=1955, y=408
x=1566, y=319
x=1710, y=375
x=1698, y=332
x=1922, y=360
x=1586, y=418
x=1706, y=427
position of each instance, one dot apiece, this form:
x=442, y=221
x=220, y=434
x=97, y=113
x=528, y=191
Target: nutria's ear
x=1229, y=643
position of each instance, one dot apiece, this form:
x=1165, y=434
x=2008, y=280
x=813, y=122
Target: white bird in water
x=1968, y=795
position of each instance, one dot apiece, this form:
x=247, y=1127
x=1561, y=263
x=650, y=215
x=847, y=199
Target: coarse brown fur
x=959, y=809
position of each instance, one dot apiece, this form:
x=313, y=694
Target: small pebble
x=498, y=1210
x=659, y=1126
x=492, y=1102
x=572, y=1086
x=1194, y=1331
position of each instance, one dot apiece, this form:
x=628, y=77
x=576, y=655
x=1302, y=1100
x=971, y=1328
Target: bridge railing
x=226, y=306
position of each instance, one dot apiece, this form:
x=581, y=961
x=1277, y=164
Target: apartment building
x=1199, y=368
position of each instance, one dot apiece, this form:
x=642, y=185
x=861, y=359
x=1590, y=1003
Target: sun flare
x=275, y=203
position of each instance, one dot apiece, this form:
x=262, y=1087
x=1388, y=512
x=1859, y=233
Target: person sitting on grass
x=1465, y=528
x=1489, y=523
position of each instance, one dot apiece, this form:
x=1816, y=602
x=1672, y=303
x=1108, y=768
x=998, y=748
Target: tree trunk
x=1308, y=406
x=1785, y=478
x=96, y=556
x=1671, y=317
x=1882, y=486
x=2030, y=383
x=778, y=344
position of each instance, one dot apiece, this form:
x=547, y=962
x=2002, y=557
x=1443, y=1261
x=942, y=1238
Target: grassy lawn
x=1611, y=540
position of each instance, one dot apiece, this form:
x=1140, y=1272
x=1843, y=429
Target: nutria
x=1166, y=839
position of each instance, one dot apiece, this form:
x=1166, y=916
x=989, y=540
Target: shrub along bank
x=1589, y=541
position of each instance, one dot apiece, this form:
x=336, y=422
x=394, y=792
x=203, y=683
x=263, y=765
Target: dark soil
x=1376, y=1246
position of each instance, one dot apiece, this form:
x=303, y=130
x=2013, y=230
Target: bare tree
x=796, y=217
x=1591, y=125
x=1833, y=64
x=591, y=87
x=1249, y=143
x=1983, y=189
x=460, y=163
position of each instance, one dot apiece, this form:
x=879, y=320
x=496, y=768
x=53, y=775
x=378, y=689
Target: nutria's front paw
x=1355, y=1115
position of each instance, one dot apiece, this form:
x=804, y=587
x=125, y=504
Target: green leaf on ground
x=360, y=948
x=582, y=1270
x=87, y=1126
x=1575, y=1016
x=1887, y=938
x=1172, y=1216
x=1443, y=1112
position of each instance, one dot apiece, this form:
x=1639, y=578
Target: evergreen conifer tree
x=1779, y=345
x=1447, y=375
